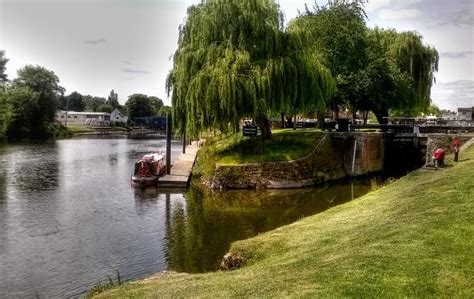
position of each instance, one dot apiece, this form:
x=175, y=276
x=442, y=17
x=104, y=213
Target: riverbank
x=411, y=238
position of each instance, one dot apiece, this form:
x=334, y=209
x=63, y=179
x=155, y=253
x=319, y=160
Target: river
x=69, y=218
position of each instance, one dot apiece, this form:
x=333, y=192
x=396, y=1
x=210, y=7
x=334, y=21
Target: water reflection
x=201, y=226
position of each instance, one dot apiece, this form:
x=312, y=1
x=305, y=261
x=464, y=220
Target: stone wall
x=360, y=153
x=331, y=159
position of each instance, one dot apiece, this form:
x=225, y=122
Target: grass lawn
x=75, y=129
x=79, y=129
x=413, y=237
x=285, y=145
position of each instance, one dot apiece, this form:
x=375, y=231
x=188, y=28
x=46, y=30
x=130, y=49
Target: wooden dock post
x=168, y=143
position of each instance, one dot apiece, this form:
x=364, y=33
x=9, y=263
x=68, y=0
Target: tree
x=434, y=110
x=3, y=62
x=405, y=73
x=3, y=113
x=112, y=100
x=24, y=107
x=337, y=33
x=163, y=112
x=138, y=105
x=93, y=104
x=224, y=70
x=3, y=96
x=33, y=101
x=46, y=84
x=156, y=103
x=72, y=102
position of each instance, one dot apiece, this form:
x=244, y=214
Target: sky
x=95, y=46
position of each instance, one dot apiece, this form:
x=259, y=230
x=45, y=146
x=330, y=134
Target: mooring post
x=184, y=140
x=168, y=143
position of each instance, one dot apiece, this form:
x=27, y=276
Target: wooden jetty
x=180, y=173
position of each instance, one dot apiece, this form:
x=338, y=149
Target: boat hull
x=141, y=182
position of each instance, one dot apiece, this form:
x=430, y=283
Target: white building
x=96, y=119
x=465, y=113
x=118, y=116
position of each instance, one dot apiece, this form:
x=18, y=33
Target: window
x=62, y=116
x=75, y=116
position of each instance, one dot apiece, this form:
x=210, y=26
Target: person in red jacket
x=456, y=144
x=438, y=157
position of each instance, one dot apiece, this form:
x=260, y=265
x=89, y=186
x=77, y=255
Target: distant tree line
x=28, y=103
x=137, y=105
x=236, y=59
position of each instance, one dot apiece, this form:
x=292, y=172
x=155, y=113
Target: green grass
x=235, y=149
x=75, y=129
x=413, y=237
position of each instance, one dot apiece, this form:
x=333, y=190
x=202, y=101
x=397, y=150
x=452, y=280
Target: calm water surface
x=69, y=219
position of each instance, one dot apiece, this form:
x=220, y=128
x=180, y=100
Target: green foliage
x=337, y=34
x=112, y=100
x=378, y=70
x=433, y=110
x=416, y=60
x=3, y=62
x=412, y=64
x=164, y=111
x=32, y=102
x=46, y=84
x=138, y=105
x=72, y=102
x=24, y=106
x=4, y=114
x=248, y=67
x=93, y=103
x=156, y=103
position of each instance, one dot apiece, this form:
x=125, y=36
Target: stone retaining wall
x=331, y=159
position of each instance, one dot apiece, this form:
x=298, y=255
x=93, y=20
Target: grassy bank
x=78, y=130
x=411, y=238
x=235, y=149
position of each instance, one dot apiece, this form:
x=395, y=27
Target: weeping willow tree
x=234, y=60
x=411, y=66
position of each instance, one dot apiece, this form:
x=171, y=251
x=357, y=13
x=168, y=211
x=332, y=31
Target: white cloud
x=375, y=5
x=398, y=14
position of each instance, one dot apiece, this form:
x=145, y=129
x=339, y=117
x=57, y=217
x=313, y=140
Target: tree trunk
x=264, y=124
x=294, y=122
x=365, y=114
x=320, y=117
x=381, y=115
x=282, y=120
x=335, y=110
x=336, y=113
x=354, y=117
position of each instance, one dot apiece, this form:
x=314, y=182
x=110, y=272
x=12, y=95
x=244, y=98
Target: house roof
x=119, y=111
x=85, y=113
